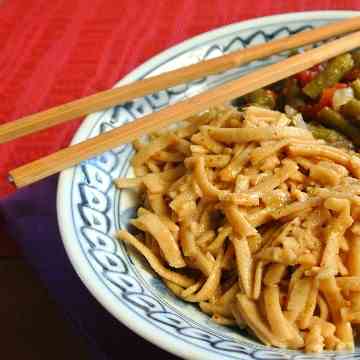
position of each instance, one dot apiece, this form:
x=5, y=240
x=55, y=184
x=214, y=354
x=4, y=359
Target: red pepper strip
x=328, y=94
x=307, y=75
x=325, y=100
x=304, y=77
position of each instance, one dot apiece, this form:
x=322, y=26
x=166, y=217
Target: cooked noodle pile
x=254, y=220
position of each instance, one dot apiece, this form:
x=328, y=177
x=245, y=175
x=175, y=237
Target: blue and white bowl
x=90, y=210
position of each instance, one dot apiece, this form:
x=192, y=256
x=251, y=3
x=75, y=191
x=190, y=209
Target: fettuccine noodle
x=257, y=222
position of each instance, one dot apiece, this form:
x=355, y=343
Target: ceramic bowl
x=90, y=209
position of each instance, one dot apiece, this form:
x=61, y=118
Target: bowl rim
x=74, y=252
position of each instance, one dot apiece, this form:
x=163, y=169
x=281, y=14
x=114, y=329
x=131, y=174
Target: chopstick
x=112, y=97
x=51, y=164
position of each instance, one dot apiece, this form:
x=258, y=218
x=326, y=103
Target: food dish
x=327, y=94
x=249, y=216
x=129, y=291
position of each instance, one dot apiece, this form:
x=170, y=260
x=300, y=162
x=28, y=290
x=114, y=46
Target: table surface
x=26, y=303
x=56, y=51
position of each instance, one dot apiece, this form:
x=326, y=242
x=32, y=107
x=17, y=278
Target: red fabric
x=55, y=51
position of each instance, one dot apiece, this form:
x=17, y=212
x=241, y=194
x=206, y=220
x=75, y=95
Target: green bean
x=356, y=57
x=333, y=119
x=331, y=75
x=356, y=87
x=329, y=135
x=261, y=97
x=292, y=93
x=351, y=110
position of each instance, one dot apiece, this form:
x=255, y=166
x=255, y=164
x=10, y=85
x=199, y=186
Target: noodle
x=255, y=221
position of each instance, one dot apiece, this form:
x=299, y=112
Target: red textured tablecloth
x=55, y=51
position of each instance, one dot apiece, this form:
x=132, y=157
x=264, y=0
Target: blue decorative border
x=96, y=202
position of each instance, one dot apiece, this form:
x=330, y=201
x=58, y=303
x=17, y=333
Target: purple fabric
x=30, y=219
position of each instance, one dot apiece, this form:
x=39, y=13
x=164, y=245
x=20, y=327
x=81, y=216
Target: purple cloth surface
x=30, y=219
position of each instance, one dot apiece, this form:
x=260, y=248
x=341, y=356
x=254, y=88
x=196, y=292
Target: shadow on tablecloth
x=30, y=219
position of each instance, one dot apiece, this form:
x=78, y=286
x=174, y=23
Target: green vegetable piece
x=356, y=87
x=356, y=57
x=331, y=118
x=351, y=110
x=293, y=94
x=331, y=75
x=261, y=97
x=329, y=135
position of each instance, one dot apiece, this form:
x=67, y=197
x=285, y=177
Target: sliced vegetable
x=356, y=57
x=306, y=76
x=331, y=75
x=331, y=118
x=341, y=97
x=298, y=121
x=262, y=97
x=328, y=94
x=351, y=110
x=356, y=87
x=329, y=135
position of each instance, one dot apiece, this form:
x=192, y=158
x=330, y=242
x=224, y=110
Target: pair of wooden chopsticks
x=74, y=154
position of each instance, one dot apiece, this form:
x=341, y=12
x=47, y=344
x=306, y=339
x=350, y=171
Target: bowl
x=90, y=209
